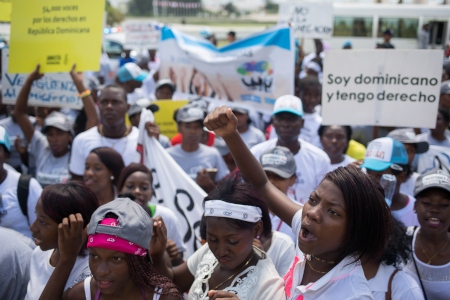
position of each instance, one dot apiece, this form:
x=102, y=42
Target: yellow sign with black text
x=56, y=34
x=164, y=116
x=5, y=10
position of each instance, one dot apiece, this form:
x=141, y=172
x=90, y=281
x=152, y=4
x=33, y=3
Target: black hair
x=234, y=190
x=112, y=160
x=232, y=33
x=398, y=246
x=63, y=199
x=348, y=130
x=307, y=83
x=368, y=216
x=115, y=86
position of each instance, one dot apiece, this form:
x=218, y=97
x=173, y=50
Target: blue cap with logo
x=383, y=152
x=131, y=71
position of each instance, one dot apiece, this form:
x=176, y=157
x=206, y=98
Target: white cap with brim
x=59, y=121
x=290, y=104
x=408, y=136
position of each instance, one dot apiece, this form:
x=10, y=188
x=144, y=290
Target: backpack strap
x=23, y=188
x=389, y=291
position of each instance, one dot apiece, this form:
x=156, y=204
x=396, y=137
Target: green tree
x=271, y=7
x=113, y=15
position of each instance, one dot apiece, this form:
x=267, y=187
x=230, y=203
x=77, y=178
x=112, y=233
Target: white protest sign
x=52, y=90
x=308, y=19
x=141, y=34
x=381, y=87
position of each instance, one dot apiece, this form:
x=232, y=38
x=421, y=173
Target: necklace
x=127, y=131
x=423, y=249
x=307, y=261
x=308, y=257
x=234, y=274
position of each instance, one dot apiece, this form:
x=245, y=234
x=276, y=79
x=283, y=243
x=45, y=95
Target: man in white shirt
x=112, y=132
x=312, y=163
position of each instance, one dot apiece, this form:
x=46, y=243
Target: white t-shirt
x=260, y=282
x=407, y=214
x=435, y=279
x=41, y=270
x=253, y=136
x=407, y=187
x=310, y=130
x=49, y=169
x=204, y=157
x=281, y=252
x=404, y=287
x=280, y=226
x=312, y=166
x=345, y=281
x=85, y=142
x=427, y=137
x=172, y=225
x=347, y=160
x=13, y=217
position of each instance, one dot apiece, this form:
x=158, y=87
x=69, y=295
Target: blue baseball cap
x=4, y=139
x=131, y=71
x=383, y=152
x=290, y=104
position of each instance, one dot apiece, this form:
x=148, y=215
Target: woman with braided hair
x=119, y=236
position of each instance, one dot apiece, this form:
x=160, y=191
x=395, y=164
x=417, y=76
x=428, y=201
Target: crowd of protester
x=295, y=209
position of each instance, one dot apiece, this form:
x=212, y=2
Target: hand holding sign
x=36, y=74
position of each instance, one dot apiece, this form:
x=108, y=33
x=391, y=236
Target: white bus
x=363, y=24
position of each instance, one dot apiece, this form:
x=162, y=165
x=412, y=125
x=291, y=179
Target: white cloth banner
x=173, y=187
x=52, y=90
x=381, y=87
x=308, y=19
x=255, y=70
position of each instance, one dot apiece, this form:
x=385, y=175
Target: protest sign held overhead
x=173, y=188
x=381, y=87
x=255, y=70
x=5, y=10
x=164, y=116
x=52, y=90
x=56, y=35
x=308, y=19
x=141, y=34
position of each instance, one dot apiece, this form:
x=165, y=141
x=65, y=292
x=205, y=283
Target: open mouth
x=306, y=235
x=433, y=221
x=103, y=284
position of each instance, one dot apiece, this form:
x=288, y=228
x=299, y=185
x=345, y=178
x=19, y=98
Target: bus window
x=403, y=28
x=352, y=26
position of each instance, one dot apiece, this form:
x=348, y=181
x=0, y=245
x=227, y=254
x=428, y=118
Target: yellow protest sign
x=5, y=10
x=164, y=116
x=56, y=34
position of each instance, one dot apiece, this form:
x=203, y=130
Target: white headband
x=219, y=208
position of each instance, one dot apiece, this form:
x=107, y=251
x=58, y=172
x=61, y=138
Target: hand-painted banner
x=140, y=34
x=173, y=187
x=308, y=19
x=52, y=90
x=255, y=70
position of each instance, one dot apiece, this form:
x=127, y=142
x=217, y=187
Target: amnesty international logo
x=256, y=76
